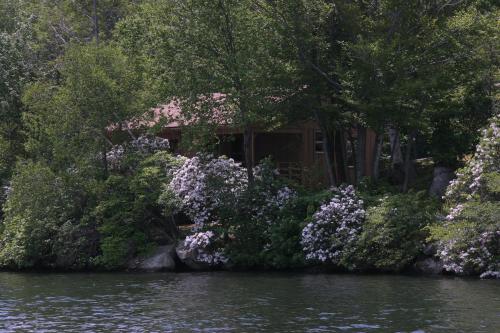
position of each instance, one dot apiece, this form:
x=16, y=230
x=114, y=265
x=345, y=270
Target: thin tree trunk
x=104, y=160
x=343, y=152
x=408, y=160
x=96, y=23
x=354, y=157
x=360, y=153
x=378, y=153
x=247, y=150
x=326, y=149
x=339, y=157
x=396, y=155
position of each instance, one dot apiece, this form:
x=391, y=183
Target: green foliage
x=42, y=221
x=131, y=220
x=394, y=233
x=69, y=121
x=15, y=71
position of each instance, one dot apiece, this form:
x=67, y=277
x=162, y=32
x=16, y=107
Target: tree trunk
x=377, y=154
x=396, y=155
x=96, y=22
x=326, y=149
x=408, y=160
x=247, y=150
x=343, y=152
x=354, y=157
x=397, y=172
x=360, y=153
x=104, y=161
x=339, y=157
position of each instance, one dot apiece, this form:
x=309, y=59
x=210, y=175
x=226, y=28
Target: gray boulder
x=432, y=266
x=162, y=259
x=441, y=179
x=190, y=258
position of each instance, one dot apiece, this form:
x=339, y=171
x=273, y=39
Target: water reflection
x=234, y=302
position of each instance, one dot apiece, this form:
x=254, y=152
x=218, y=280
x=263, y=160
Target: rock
x=431, y=266
x=441, y=179
x=163, y=259
x=189, y=258
x=430, y=249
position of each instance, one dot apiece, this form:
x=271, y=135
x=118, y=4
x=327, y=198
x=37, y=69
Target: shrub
x=394, y=232
x=334, y=227
x=204, y=244
x=41, y=225
x=469, y=237
x=131, y=220
x=203, y=185
x=215, y=194
x=471, y=244
x=128, y=155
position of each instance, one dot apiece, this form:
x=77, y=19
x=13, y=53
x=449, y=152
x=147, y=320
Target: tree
x=221, y=47
x=15, y=71
x=419, y=70
x=98, y=90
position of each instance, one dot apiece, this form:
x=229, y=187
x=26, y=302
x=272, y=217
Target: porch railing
x=291, y=170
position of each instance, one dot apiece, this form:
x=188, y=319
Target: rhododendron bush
x=469, y=238
x=214, y=193
x=203, y=244
x=334, y=227
x=142, y=146
x=204, y=184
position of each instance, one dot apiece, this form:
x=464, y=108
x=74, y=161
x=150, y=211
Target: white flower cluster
x=475, y=257
x=144, y=145
x=115, y=156
x=149, y=144
x=5, y=191
x=486, y=159
x=463, y=256
x=203, y=184
x=201, y=244
x=334, y=226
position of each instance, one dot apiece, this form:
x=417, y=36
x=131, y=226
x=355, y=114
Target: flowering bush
x=470, y=180
x=215, y=192
x=203, y=245
x=473, y=255
x=334, y=227
x=203, y=185
x=143, y=146
x=469, y=238
x=206, y=186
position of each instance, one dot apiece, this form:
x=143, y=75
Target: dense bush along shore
x=266, y=224
x=150, y=135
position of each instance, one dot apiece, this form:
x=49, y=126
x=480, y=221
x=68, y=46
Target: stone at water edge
x=431, y=266
x=163, y=259
x=189, y=258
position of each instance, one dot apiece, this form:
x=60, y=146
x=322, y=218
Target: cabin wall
x=292, y=148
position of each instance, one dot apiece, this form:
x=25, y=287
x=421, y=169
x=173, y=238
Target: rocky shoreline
x=171, y=258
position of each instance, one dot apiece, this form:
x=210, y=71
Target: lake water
x=246, y=302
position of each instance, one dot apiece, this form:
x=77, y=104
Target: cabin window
x=318, y=142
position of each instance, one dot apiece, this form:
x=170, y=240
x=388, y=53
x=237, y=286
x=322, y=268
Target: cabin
x=297, y=149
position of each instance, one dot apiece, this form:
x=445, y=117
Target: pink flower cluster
x=335, y=226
